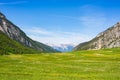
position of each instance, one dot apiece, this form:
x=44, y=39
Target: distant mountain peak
x=62, y=47
x=109, y=38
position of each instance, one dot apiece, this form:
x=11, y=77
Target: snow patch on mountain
x=62, y=47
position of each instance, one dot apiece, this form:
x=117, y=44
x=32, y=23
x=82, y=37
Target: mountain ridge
x=62, y=47
x=15, y=33
x=109, y=38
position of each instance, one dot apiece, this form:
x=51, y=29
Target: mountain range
x=62, y=47
x=14, y=40
x=109, y=38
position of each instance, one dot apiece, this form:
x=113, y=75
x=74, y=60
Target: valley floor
x=81, y=65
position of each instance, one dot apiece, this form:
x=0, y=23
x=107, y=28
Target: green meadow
x=78, y=65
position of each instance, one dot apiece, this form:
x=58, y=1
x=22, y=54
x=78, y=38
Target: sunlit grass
x=80, y=65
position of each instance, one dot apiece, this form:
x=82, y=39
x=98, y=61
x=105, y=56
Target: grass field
x=81, y=65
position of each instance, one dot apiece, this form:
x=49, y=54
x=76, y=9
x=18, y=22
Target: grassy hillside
x=8, y=46
x=81, y=65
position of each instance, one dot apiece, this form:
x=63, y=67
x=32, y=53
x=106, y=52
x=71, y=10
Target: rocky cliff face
x=107, y=39
x=18, y=35
x=13, y=31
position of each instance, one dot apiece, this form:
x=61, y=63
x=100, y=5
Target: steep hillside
x=7, y=46
x=15, y=33
x=107, y=39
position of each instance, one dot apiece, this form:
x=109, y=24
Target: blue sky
x=62, y=21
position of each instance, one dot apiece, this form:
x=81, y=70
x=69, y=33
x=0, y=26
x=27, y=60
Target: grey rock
x=110, y=38
x=18, y=35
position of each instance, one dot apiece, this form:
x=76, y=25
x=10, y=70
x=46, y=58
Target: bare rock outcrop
x=110, y=38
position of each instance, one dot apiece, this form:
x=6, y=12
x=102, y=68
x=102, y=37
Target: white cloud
x=35, y=30
x=93, y=19
x=56, y=37
x=15, y=2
